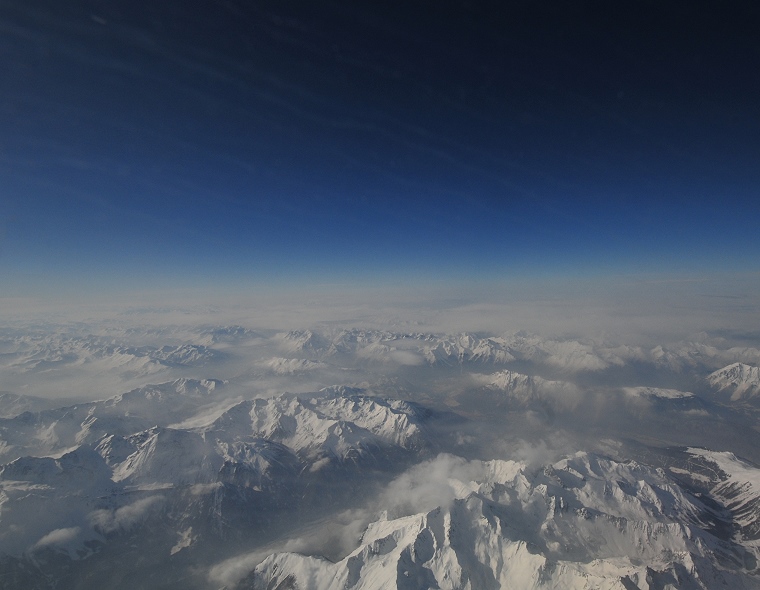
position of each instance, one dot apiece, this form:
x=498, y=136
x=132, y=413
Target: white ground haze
x=626, y=310
x=632, y=305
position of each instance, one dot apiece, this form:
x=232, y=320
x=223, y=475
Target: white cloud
x=58, y=537
x=125, y=517
x=334, y=538
x=230, y=571
x=428, y=485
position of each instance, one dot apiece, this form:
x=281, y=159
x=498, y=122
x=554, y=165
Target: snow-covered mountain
x=451, y=349
x=464, y=348
x=657, y=393
x=304, y=342
x=697, y=355
x=97, y=359
x=259, y=459
x=736, y=485
x=57, y=351
x=567, y=355
x=58, y=430
x=583, y=522
x=199, y=480
x=741, y=381
x=325, y=425
x=12, y=405
x=662, y=401
x=211, y=335
x=289, y=366
x=524, y=390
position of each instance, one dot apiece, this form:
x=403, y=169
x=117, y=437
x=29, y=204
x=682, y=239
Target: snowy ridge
x=449, y=349
x=662, y=401
x=54, y=351
x=570, y=355
x=303, y=341
x=338, y=422
x=737, y=485
x=524, y=389
x=468, y=348
x=259, y=457
x=286, y=366
x=44, y=502
x=325, y=424
x=161, y=456
x=565, y=354
x=657, y=393
x=11, y=405
x=584, y=522
x=742, y=381
x=694, y=355
x=226, y=334
x=687, y=356
x=173, y=392
x=135, y=355
x=54, y=431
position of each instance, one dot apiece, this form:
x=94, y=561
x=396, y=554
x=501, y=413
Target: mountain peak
x=741, y=380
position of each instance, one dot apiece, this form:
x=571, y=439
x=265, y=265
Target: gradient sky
x=149, y=142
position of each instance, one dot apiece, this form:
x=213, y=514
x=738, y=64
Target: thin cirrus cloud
x=297, y=142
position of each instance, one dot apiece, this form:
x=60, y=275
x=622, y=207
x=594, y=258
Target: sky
x=150, y=144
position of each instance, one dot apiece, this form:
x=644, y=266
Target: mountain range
x=376, y=459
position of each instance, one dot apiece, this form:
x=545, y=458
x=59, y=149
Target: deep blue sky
x=316, y=140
